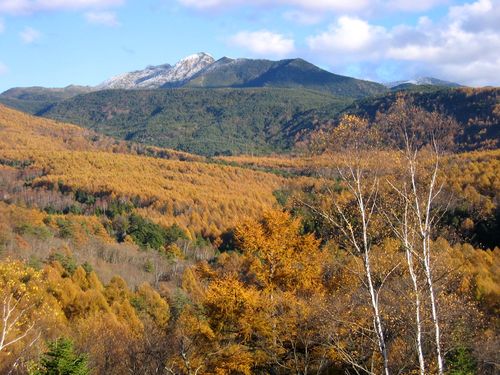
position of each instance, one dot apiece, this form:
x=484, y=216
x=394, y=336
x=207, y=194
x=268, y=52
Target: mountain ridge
x=422, y=81
x=160, y=75
x=203, y=71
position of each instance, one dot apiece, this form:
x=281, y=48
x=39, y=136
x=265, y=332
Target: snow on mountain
x=422, y=81
x=188, y=67
x=161, y=75
x=134, y=79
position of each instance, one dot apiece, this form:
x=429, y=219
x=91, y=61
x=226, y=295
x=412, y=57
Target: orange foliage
x=201, y=197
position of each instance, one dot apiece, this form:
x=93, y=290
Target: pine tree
x=61, y=359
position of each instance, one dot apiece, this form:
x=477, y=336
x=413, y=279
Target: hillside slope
x=34, y=99
x=476, y=110
x=20, y=131
x=292, y=73
x=61, y=163
x=202, y=121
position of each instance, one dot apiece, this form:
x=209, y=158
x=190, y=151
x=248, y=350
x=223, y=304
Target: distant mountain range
x=43, y=93
x=233, y=106
x=421, y=81
x=202, y=71
x=35, y=99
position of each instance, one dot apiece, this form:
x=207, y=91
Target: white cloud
x=315, y=5
x=349, y=35
x=328, y=5
x=304, y=18
x=412, y=5
x=263, y=43
x=29, y=35
x=210, y=4
x=3, y=68
x=102, y=18
x=33, y=6
x=480, y=15
x=344, y=6
x=462, y=46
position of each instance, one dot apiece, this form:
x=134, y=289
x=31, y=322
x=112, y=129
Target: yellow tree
x=279, y=257
x=237, y=316
x=285, y=266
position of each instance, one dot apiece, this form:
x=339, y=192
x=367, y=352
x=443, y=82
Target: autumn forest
x=369, y=244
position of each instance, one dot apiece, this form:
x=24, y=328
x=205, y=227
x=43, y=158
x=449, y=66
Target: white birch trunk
x=425, y=222
x=411, y=269
x=365, y=250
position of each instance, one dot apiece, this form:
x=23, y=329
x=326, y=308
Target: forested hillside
x=34, y=99
x=208, y=122
x=477, y=111
x=292, y=73
x=243, y=121
x=374, y=252
x=63, y=161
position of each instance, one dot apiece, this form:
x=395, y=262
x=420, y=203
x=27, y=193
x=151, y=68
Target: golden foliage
x=21, y=131
x=25, y=309
x=475, y=178
x=279, y=256
x=201, y=197
x=197, y=196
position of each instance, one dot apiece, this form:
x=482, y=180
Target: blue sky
x=55, y=43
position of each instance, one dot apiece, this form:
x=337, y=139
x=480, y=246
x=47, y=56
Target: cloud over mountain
x=264, y=43
x=464, y=45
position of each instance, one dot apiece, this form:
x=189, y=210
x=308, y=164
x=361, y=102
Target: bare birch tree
x=404, y=231
x=354, y=222
x=426, y=219
x=415, y=132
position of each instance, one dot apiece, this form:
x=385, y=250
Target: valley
x=248, y=216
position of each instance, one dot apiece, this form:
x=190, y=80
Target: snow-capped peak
x=422, y=81
x=188, y=66
x=161, y=75
x=196, y=56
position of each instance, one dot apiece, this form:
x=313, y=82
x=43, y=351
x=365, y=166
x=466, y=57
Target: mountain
x=201, y=70
x=197, y=120
x=42, y=93
x=34, y=99
x=227, y=72
x=161, y=75
x=291, y=73
x=420, y=81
